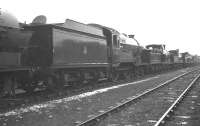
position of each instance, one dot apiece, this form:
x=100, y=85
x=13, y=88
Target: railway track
x=185, y=110
x=171, y=109
x=106, y=117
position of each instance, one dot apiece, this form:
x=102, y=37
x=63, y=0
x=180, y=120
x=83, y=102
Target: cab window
x=115, y=41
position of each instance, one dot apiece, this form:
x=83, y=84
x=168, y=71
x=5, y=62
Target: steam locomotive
x=73, y=53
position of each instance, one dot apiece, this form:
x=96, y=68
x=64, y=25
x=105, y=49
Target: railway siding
x=147, y=110
x=65, y=112
x=187, y=111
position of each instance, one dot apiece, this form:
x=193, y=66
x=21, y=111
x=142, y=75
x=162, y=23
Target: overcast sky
x=175, y=23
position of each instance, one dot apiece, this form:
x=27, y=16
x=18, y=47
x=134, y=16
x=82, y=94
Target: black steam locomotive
x=61, y=54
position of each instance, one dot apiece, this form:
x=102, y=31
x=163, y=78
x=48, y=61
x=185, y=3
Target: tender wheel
x=28, y=86
x=128, y=75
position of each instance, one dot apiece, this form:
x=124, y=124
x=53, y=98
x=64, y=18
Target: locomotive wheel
x=137, y=73
x=9, y=86
x=141, y=72
x=50, y=83
x=129, y=75
x=60, y=80
x=95, y=77
x=115, y=76
x=80, y=79
x=29, y=87
x=1, y=88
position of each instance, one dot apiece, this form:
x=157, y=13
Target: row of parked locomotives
x=51, y=56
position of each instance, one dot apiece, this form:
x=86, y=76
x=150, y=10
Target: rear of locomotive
x=196, y=59
x=175, y=59
x=13, y=41
x=187, y=59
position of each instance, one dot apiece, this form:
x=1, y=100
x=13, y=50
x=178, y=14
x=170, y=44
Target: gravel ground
x=23, y=99
x=148, y=110
x=70, y=111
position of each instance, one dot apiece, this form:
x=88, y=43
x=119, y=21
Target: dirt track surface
x=70, y=111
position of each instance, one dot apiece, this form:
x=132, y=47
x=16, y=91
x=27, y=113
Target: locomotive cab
x=9, y=27
x=156, y=53
x=186, y=57
x=156, y=48
x=13, y=40
x=174, y=56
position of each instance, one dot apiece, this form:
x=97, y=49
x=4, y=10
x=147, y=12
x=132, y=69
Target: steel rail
x=91, y=121
x=161, y=121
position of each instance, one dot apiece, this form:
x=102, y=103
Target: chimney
x=131, y=36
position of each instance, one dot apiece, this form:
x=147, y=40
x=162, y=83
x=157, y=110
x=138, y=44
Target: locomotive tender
x=71, y=53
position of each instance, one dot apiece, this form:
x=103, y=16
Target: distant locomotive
x=73, y=53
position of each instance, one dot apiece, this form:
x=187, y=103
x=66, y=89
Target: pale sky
x=175, y=23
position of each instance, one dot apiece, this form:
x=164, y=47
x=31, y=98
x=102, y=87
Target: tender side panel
x=39, y=51
x=9, y=59
x=73, y=48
